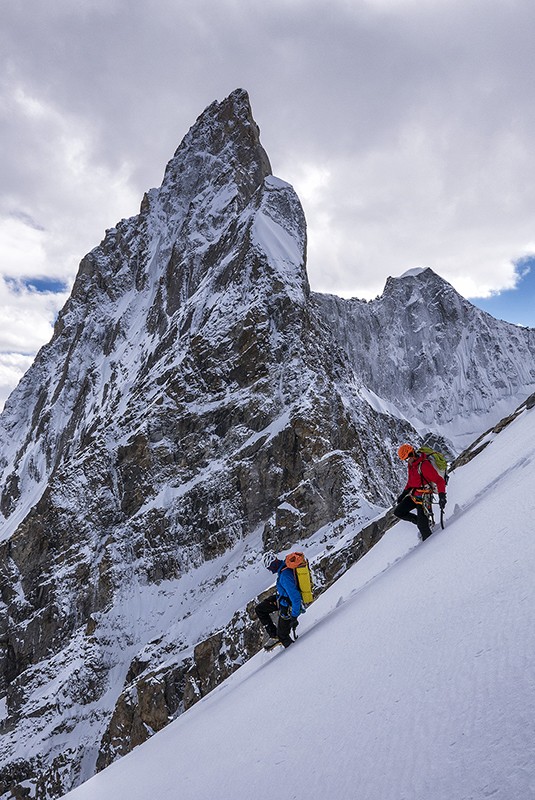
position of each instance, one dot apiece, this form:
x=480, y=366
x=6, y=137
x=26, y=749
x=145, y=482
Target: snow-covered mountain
x=426, y=354
x=413, y=676
x=197, y=405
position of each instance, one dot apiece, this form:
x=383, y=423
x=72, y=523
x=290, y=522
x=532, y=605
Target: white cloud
x=60, y=199
x=12, y=368
x=22, y=249
x=26, y=318
x=419, y=201
x=26, y=323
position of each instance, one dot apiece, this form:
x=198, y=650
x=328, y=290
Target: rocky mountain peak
x=222, y=147
x=151, y=285
x=424, y=283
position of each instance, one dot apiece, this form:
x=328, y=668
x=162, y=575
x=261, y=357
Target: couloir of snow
x=413, y=676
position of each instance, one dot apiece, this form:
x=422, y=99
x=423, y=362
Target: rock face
x=196, y=406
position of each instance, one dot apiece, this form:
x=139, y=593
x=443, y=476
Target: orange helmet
x=405, y=450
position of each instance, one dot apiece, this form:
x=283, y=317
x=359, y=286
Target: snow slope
x=414, y=676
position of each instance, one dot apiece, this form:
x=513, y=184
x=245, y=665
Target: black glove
x=442, y=500
x=403, y=495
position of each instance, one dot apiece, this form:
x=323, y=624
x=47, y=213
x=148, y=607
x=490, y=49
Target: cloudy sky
x=406, y=126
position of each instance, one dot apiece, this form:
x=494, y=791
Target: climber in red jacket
x=421, y=477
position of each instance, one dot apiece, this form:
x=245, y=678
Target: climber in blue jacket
x=286, y=600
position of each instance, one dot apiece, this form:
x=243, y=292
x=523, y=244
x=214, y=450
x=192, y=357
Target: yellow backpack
x=303, y=576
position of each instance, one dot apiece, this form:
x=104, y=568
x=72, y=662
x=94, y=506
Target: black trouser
x=403, y=511
x=282, y=631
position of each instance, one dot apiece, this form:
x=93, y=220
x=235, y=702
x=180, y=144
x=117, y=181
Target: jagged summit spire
x=223, y=145
x=231, y=117
x=219, y=225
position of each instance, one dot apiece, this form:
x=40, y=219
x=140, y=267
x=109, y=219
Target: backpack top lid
x=294, y=560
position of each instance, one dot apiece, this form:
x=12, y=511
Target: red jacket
x=428, y=474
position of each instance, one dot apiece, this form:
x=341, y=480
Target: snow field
x=413, y=677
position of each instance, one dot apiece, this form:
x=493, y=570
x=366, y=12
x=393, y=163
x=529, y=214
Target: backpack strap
x=423, y=480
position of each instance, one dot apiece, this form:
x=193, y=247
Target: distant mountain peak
x=414, y=272
x=421, y=276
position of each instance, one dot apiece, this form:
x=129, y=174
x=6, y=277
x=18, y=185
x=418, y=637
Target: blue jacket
x=287, y=591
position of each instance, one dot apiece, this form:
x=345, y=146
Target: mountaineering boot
x=270, y=631
x=425, y=533
x=270, y=643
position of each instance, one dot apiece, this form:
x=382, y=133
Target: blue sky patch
x=39, y=285
x=514, y=305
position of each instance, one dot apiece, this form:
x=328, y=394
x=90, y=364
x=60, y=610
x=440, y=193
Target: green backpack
x=438, y=460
